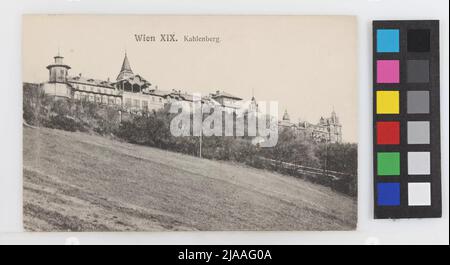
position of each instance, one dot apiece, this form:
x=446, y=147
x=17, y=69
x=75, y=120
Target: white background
x=370, y=231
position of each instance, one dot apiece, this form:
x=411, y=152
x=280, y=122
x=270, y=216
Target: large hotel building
x=134, y=93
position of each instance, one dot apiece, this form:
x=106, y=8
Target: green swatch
x=388, y=163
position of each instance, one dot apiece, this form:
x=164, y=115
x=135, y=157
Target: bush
x=341, y=157
x=64, y=123
x=68, y=114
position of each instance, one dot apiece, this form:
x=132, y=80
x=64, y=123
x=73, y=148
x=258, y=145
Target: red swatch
x=388, y=132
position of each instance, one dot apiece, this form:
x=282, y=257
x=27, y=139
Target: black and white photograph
x=189, y=123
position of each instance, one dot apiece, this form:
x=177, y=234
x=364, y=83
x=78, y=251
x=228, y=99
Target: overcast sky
x=306, y=63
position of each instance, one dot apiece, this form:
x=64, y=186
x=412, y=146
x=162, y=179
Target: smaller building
x=326, y=130
x=230, y=103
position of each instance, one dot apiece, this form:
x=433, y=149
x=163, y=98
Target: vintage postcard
x=189, y=123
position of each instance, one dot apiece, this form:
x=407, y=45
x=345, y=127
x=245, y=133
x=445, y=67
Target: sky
x=306, y=63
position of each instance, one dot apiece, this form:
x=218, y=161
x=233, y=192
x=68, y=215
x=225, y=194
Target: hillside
x=81, y=182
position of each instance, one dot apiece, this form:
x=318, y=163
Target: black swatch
x=418, y=40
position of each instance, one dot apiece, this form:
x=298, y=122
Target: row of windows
x=155, y=98
x=98, y=98
x=103, y=90
x=136, y=103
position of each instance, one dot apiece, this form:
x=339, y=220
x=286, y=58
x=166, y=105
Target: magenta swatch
x=388, y=71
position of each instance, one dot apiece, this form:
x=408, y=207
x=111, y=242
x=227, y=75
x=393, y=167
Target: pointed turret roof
x=125, y=71
x=126, y=64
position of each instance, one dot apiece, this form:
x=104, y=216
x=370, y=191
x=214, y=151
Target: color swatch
x=406, y=123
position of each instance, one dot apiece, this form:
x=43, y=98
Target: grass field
x=81, y=182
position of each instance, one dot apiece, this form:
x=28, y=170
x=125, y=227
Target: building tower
x=253, y=106
x=57, y=85
x=286, y=116
x=286, y=121
x=335, y=128
x=334, y=118
x=58, y=70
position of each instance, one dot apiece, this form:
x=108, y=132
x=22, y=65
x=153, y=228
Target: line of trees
x=153, y=129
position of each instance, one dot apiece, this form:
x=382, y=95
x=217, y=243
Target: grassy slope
x=80, y=182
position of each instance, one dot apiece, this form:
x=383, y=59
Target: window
x=145, y=104
x=136, y=103
x=128, y=102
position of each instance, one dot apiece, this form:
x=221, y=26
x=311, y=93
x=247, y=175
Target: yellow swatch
x=388, y=102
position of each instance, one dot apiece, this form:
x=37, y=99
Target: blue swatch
x=388, y=194
x=388, y=40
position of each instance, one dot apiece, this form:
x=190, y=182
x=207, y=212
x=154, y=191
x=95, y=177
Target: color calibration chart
x=407, y=169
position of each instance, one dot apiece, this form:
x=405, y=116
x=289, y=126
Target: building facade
x=326, y=130
x=132, y=92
